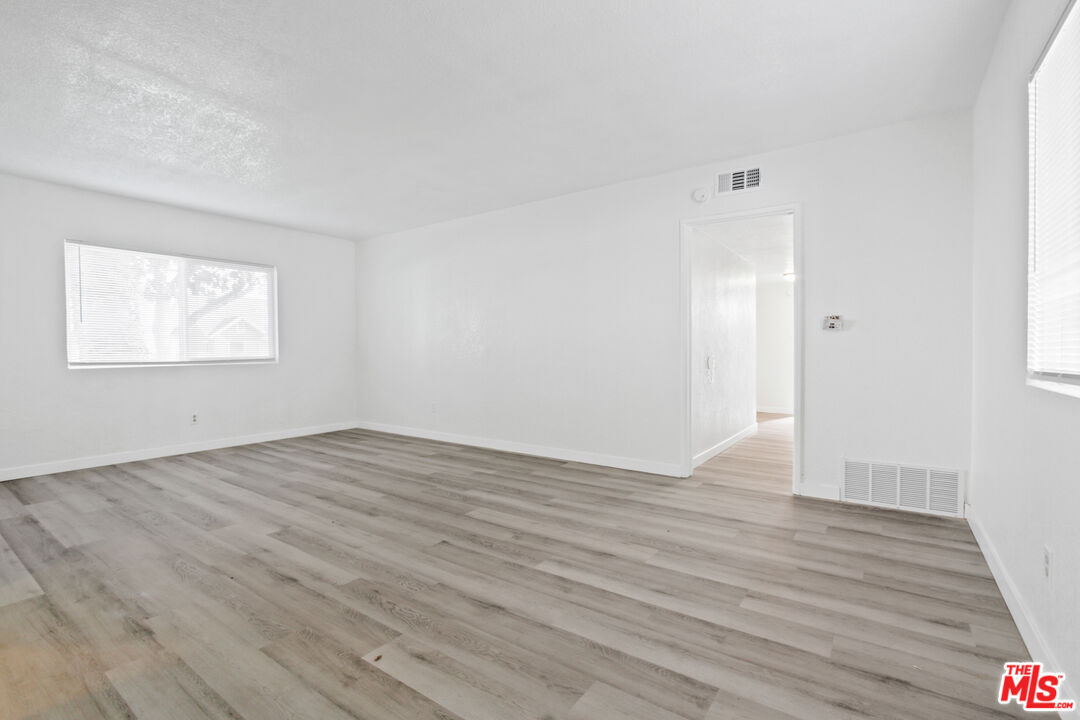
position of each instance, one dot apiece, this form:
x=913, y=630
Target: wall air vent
x=905, y=487
x=738, y=180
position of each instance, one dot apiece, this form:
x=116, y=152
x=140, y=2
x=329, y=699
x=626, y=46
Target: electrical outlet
x=194, y=418
x=1048, y=563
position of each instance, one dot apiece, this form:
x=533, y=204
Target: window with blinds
x=1054, y=208
x=126, y=307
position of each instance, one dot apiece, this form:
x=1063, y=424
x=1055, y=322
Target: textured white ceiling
x=768, y=242
x=359, y=117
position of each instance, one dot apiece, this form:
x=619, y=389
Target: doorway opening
x=742, y=291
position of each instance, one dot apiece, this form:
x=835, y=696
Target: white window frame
x=273, y=302
x=1066, y=383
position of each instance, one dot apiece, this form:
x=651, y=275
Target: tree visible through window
x=129, y=308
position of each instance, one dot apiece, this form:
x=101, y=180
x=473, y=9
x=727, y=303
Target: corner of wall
x=1030, y=632
x=554, y=453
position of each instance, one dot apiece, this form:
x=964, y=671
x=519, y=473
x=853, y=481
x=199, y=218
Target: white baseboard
x=615, y=461
x=91, y=461
x=1025, y=622
x=706, y=455
x=776, y=410
x=819, y=490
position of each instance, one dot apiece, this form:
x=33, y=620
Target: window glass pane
x=227, y=312
x=1054, y=205
x=128, y=307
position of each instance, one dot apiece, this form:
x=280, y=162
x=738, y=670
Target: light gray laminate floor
x=356, y=574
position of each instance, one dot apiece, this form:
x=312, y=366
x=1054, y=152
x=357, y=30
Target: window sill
x=186, y=363
x=1055, y=386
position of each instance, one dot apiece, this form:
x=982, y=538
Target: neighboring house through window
x=126, y=307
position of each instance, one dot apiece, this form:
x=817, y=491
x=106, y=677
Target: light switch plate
x=833, y=322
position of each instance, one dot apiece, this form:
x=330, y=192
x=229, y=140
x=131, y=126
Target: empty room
x=528, y=359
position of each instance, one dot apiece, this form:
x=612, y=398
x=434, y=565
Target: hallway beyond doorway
x=743, y=340
x=761, y=462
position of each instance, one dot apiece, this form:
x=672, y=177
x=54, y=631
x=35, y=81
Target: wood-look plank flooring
x=363, y=575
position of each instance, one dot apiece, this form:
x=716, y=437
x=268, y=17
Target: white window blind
x=1054, y=208
x=126, y=307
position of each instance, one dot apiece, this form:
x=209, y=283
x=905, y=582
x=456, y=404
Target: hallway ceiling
x=361, y=117
x=768, y=242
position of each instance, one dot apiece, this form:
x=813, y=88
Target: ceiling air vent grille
x=738, y=180
x=906, y=487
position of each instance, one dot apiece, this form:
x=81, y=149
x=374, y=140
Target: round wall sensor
x=700, y=195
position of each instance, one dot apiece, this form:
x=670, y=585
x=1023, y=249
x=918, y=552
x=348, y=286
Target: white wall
x=1025, y=489
x=53, y=418
x=555, y=326
x=722, y=365
x=775, y=346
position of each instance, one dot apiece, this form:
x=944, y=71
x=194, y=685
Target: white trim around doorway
x=685, y=226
